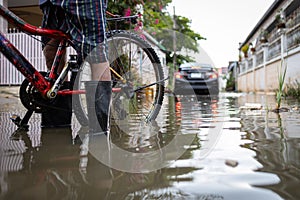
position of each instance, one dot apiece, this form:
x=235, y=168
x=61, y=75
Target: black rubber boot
x=102, y=104
x=98, y=97
x=90, y=88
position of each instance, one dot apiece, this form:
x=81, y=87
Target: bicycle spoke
x=139, y=78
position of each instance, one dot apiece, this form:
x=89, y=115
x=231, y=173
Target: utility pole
x=174, y=39
x=173, y=68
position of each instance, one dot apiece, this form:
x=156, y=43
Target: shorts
x=84, y=21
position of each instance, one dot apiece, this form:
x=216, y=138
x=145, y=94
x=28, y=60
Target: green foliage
x=150, y=9
x=293, y=90
x=245, y=48
x=281, y=78
x=263, y=36
x=158, y=23
x=180, y=59
x=230, y=83
x=185, y=37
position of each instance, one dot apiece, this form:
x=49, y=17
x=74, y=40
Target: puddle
x=233, y=154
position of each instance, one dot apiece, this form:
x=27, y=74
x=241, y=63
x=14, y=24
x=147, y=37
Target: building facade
x=272, y=46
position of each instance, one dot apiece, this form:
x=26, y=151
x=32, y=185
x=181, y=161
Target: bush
x=230, y=84
x=293, y=90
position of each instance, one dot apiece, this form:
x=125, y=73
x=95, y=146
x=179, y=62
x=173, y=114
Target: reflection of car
x=200, y=78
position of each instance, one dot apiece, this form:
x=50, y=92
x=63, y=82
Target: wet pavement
x=236, y=149
x=9, y=99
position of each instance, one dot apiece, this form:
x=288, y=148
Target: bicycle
x=134, y=65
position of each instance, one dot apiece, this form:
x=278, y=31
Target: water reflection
x=146, y=147
x=217, y=178
x=254, y=155
x=276, y=141
x=54, y=170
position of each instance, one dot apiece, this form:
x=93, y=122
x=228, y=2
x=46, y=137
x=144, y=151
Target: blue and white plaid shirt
x=83, y=20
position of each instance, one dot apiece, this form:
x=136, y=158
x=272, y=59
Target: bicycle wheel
x=137, y=78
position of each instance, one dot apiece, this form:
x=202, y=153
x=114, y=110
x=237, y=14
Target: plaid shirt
x=84, y=20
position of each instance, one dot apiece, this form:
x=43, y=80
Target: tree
x=159, y=23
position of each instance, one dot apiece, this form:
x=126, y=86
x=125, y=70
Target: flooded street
x=221, y=149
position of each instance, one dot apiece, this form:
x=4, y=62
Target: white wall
x=293, y=70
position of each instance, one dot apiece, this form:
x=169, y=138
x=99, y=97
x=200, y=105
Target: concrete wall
x=255, y=80
x=293, y=71
x=259, y=79
x=272, y=76
x=242, y=83
x=250, y=82
x=261, y=75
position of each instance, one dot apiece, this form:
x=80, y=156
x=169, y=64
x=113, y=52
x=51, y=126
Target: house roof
x=266, y=16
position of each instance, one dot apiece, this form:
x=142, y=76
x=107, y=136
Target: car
x=197, y=78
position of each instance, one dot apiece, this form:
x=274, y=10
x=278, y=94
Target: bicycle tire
x=143, y=105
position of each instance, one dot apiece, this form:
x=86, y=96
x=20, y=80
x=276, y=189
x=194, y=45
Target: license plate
x=196, y=75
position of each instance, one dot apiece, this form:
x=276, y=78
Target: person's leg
x=103, y=94
x=98, y=97
x=86, y=22
x=101, y=72
x=100, y=69
x=49, y=51
x=53, y=18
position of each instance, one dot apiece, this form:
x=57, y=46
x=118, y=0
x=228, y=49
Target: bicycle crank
x=30, y=96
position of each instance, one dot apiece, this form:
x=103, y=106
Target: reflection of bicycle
x=138, y=82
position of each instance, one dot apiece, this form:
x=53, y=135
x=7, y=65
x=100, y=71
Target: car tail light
x=213, y=75
x=178, y=75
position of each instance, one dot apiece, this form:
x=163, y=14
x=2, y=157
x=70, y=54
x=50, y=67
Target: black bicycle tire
x=79, y=111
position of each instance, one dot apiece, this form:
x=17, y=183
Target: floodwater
x=231, y=151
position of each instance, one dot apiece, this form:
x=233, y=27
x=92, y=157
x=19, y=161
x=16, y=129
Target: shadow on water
x=233, y=154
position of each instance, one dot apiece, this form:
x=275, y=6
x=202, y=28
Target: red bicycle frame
x=20, y=62
x=47, y=89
